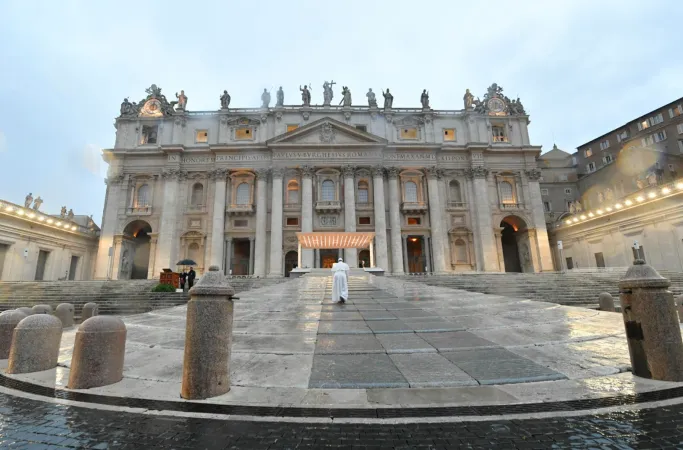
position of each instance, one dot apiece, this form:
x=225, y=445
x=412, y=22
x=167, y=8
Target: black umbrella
x=186, y=262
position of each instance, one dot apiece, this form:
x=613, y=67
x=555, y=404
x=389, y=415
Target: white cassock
x=340, y=286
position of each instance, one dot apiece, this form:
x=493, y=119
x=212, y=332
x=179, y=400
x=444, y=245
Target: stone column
x=397, y=255
x=168, y=250
x=428, y=254
x=153, y=240
x=228, y=256
x=372, y=255
x=382, y=259
x=251, y=255
x=276, y=225
x=482, y=214
x=536, y=201
x=436, y=221
x=404, y=239
x=218, y=221
x=261, y=217
x=298, y=254
x=109, y=222
x=307, y=211
x=350, y=257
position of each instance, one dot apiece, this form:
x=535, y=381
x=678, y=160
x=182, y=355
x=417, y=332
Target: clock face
x=152, y=108
x=496, y=106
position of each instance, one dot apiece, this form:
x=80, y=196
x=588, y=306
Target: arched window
x=293, y=192
x=328, y=191
x=460, y=251
x=142, y=199
x=410, y=192
x=362, y=191
x=454, y=187
x=197, y=194
x=243, y=194
x=506, y=192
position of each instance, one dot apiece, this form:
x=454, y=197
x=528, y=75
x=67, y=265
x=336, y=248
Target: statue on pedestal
x=346, y=96
x=28, y=200
x=182, y=101
x=225, y=100
x=265, y=99
x=372, y=100
x=327, y=92
x=280, y=97
x=388, y=99
x=305, y=95
x=424, y=99
x=62, y=213
x=468, y=100
x=128, y=109
x=70, y=214
x=37, y=203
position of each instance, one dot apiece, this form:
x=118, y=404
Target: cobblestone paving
x=29, y=424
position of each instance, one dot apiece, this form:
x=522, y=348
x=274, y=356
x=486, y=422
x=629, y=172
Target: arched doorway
x=364, y=258
x=135, y=254
x=514, y=241
x=291, y=260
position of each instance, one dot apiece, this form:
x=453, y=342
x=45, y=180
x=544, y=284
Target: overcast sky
x=581, y=68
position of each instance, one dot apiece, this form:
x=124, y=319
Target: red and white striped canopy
x=335, y=240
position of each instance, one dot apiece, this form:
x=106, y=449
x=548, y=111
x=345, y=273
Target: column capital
x=393, y=172
x=378, y=171
x=278, y=172
x=432, y=172
x=533, y=174
x=476, y=172
x=262, y=174
x=174, y=174
x=114, y=179
x=349, y=171
x=218, y=174
x=306, y=171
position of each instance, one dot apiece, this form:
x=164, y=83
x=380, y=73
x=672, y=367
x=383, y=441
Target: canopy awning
x=335, y=239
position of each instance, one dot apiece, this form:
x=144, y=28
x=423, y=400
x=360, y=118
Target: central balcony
x=139, y=211
x=511, y=206
x=364, y=206
x=195, y=209
x=240, y=210
x=328, y=206
x=413, y=207
x=292, y=207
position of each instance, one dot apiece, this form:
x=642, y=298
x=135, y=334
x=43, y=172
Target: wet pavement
x=31, y=424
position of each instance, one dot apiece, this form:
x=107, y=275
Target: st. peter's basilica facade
x=442, y=190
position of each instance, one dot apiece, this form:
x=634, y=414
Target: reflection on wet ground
x=32, y=424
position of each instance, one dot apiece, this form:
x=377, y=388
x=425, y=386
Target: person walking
x=191, y=275
x=340, y=281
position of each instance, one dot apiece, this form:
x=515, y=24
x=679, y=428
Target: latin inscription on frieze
x=322, y=155
x=453, y=158
x=410, y=157
x=218, y=158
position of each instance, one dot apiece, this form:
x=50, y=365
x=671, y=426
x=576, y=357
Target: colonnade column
x=435, y=221
x=168, y=251
x=261, y=216
x=307, y=211
x=397, y=256
x=351, y=254
x=218, y=221
x=482, y=214
x=541, y=238
x=276, y=225
x=380, y=218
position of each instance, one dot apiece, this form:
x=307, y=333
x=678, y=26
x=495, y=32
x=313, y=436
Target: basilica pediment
x=327, y=132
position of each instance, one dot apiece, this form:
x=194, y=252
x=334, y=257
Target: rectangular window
x=568, y=191
x=599, y=260
x=408, y=133
x=604, y=144
x=570, y=263
x=363, y=221
x=654, y=120
x=591, y=167
x=546, y=206
x=149, y=134
x=241, y=223
x=498, y=132
x=449, y=134
x=244, y=134
x=660, y=136
x=623, y=135
x=563, y=177
x=362, y=196
x=607, y=159
x=201, y=137
x=362, y=128
x=544, y=192
x=292, y=128
x=643, y=125
x=675, y=112
x=292, y=221
x=679, y=128
x=588, y=152
x=574, y=163
x=414, y=220
x=648, y=140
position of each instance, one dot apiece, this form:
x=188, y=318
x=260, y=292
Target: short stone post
x=652, y=329
x=606, y=302
x=679, y=306
x=65, y=313
x=208, y=337
x=35, y=344
x=42, y=309
x=89, y=310
x=99, y=349
x=8, y=321
x=26, y=310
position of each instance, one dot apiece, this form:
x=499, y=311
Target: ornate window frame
x=243, y=123
x=135, y=183
x=462, y=201
x=415, y=176
x=513, y=180
x=237, y=178
x=410, y=122
x=364, y=176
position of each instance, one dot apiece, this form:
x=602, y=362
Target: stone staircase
x=113, y=297
x=576, y=288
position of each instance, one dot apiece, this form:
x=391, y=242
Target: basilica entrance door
x=240, y=260
x=328, y=257
x=416, y=254
x=364, y=258
x=291, y=260
x=510, y=249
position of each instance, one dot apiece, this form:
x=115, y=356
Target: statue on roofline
x=28, y=200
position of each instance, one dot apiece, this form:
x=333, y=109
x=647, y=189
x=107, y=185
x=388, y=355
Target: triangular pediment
x=327, y=131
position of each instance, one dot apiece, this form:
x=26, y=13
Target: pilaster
x=436, y=221
x=380, y=255
x=397, y=247
x=307, y=211
x=276, y=225
x=261, y=216
x=541, y=234
x=482, y=214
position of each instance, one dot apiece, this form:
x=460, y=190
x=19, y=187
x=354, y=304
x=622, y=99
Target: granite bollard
x=65, y=313
x=606, y=302
x=89, y=310
x=35, y=344
x=26, y=310
x=652, y=328
x=8, y=321
x=42, y=309
x=208, y=337
x=679, y=306
x=98, y=354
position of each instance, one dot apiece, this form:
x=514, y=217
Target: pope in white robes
x=340, y=281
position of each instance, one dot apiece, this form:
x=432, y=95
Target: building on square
x=442, y=190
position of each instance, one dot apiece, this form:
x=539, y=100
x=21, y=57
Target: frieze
x=453, y=158
x=219, y=158
x=323, y=155
x=410, y=157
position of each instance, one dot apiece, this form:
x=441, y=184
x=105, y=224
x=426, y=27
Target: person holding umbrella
x=191, y=275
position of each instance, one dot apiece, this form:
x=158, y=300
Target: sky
x=580, y=67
